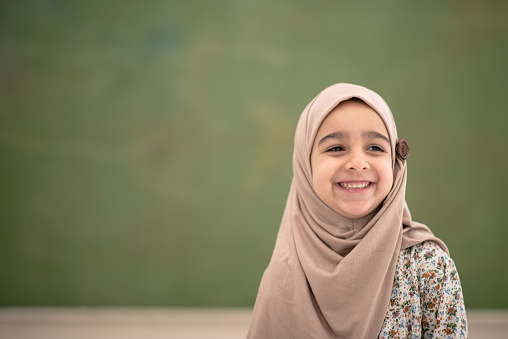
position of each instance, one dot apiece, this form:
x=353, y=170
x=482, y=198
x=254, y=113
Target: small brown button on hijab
x=402, y=149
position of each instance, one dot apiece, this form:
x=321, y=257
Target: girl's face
x=351, y=160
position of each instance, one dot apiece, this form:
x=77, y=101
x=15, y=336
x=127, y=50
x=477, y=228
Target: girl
x=348, y=261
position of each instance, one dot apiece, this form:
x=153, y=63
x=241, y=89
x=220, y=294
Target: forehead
x=353, y=114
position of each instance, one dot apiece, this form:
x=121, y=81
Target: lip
x=354, y=190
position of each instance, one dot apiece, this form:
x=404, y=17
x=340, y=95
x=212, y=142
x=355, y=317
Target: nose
x=357, y=161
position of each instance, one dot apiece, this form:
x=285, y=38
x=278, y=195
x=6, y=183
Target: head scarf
x=330, y=276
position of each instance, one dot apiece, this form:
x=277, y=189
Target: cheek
x=322, y=175
x=386, y=176
x=317, y=179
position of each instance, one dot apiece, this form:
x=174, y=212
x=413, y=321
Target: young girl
x=349, y=262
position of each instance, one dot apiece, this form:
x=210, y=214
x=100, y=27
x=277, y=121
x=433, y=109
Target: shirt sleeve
x=443, y=311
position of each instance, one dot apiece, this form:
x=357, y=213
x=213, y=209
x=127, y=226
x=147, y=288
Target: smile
x=355, y=185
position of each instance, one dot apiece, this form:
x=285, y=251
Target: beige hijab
x=329, y=276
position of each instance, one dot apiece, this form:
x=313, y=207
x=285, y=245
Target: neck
x=359, y=223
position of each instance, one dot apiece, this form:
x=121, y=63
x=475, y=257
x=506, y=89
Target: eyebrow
x=345, y=135
x=375, y=135
x=334, y=135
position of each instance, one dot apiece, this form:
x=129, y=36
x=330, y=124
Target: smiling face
x=351, y=160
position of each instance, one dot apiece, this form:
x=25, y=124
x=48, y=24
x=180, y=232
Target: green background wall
x=145, y=146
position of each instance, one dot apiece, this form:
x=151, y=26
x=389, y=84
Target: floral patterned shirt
x=426, y=299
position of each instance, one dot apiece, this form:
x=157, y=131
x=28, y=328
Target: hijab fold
x=330, y=276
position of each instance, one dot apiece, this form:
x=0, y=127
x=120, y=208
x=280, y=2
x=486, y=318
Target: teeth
x=354, y=185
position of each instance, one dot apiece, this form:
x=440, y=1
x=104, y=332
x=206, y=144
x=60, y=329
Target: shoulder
x=442, y=301
x=428, y=253
x=427, y=289
x=433, y=264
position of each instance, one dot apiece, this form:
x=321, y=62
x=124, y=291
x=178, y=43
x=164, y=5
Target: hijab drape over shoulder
x=330, y=276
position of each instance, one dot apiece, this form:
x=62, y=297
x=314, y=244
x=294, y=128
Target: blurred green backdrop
x=146, y=146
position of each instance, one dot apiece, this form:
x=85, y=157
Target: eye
x=375, y=148
x=335, y=149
